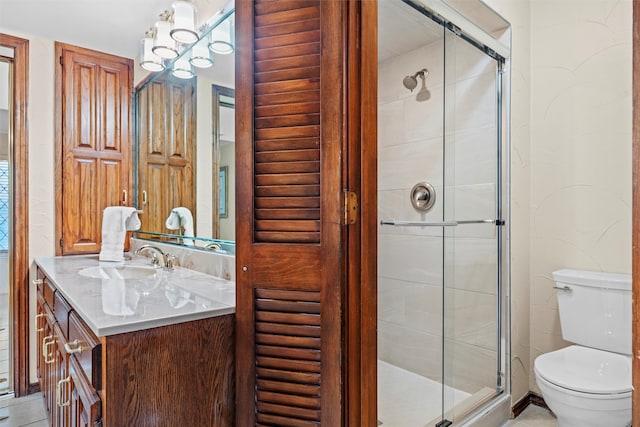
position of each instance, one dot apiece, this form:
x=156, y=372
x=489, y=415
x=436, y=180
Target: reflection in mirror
x=185, y=153
x=224, y=156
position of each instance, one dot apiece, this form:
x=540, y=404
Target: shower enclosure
x=442, y=190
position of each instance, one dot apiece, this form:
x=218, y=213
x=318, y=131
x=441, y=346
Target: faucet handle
x=154, y=259
x=168, y=261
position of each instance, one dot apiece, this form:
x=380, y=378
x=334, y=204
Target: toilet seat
x=586, y=370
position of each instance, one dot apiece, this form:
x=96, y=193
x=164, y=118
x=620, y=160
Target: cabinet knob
x=74, y=346
x=37, y=282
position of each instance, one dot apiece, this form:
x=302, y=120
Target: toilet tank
x=595, y=309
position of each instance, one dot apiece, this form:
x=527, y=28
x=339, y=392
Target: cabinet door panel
x=94, y=100
x=84, y=410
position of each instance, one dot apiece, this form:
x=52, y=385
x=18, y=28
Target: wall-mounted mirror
x=185, y=149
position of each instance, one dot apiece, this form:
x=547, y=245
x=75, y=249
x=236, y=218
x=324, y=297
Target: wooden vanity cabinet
x=70, y=398
x=180, y=374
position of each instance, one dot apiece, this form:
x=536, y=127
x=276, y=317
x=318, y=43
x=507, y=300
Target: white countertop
x=115, y=306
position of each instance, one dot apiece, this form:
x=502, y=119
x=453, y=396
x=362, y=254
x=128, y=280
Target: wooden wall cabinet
x=93, y=143
x=181, y=374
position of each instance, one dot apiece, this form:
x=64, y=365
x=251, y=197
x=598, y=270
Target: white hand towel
x=116, y=220
x=181, y=217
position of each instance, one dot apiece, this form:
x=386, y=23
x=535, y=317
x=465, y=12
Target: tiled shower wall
x=410, y=260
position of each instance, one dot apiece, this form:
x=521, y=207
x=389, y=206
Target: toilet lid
x=586, y=370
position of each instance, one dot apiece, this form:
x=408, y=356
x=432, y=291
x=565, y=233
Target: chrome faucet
x=167, y=259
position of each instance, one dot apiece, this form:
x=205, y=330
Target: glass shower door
x=410, y=152
x=472, y=345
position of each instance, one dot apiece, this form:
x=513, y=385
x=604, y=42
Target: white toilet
x=589, y=384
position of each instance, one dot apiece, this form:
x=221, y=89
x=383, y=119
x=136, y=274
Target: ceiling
x=112, y=26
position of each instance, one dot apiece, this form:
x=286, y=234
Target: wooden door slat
x=288, y=352
x=283, y=363
x=286, y=168
x=287, y=98
x=275, y=420
x=287, y=202
x=284, y=329
x=268, y=7
x=288, y=318
x=287, y=191
x=288, y=179
x=290, y=120
x=288, y=63
x=281, y=386
x=286, y=410
x=287, y=16
x=288, y=399
x=288, y=39
x=288, y=51
x=287, y=109
x=288, y=376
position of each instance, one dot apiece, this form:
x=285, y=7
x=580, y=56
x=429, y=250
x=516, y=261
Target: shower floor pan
x=406, y=399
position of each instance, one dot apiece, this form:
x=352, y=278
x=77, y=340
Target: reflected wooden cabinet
x=166, y=115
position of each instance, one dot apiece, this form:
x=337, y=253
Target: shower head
x=410, y=82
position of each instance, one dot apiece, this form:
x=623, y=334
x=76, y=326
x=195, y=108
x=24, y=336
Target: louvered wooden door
x=94, y=100
x=290, y=277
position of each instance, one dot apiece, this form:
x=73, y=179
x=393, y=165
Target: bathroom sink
x=120, y=272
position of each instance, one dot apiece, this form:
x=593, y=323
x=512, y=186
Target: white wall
x=571, y=157
x=581, y=61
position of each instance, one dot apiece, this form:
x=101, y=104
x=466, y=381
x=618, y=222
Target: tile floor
x=25, y=411
x=29, y=412
x=533, y=416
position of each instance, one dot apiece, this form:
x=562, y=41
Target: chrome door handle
x=563, y=288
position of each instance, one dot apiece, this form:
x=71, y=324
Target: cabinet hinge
x=61, y=61
x=350, y=207
x=61, y=243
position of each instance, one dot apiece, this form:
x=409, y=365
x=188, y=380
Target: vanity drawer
x=61, y=309
x=49, y=291
x=89, y=358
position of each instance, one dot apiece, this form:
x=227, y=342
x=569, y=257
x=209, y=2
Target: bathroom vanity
x=132, y=345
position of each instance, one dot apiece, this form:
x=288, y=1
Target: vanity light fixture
x=201, y=55
x=221, y=42
x=149, y=60
x=182, y=67
x=184, y=22
x=163, y=45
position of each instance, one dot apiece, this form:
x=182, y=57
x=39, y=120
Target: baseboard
x=34, y=388
x=530, y=399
